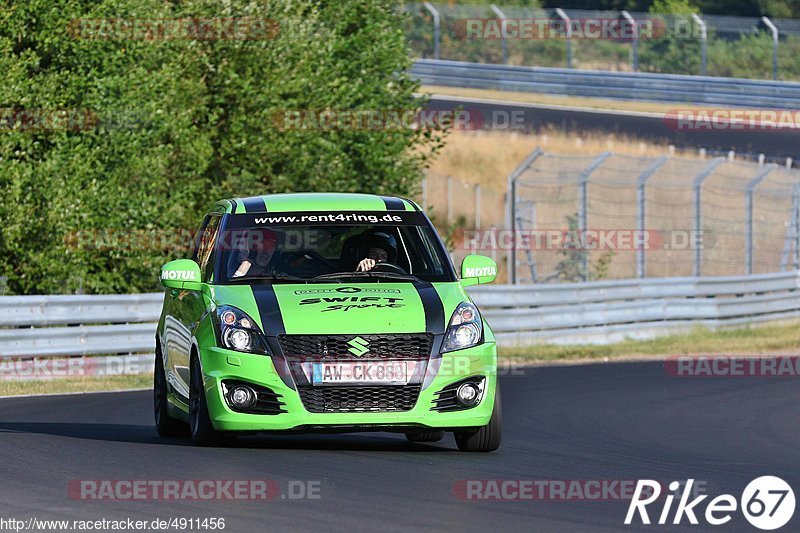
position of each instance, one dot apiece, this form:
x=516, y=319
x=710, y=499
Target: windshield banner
x=328, y=218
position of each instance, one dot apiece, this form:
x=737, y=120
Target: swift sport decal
x=345, y=303
x=353, y=308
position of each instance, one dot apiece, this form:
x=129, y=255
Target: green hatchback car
x=324, y=313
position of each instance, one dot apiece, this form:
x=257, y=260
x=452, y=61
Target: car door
x=187, y=308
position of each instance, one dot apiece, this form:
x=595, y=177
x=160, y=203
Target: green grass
x=783, y=338
x=82, y=384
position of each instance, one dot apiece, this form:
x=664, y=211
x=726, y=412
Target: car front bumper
x=220, y=364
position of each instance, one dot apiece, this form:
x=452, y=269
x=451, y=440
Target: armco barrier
x=602, y=312
x=78, y=325
x=570, y=313
x=605, y=84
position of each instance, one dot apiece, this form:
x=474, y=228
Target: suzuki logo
x=358, y=346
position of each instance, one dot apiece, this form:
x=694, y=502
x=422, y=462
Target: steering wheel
x=309, y=258
x=388, y=267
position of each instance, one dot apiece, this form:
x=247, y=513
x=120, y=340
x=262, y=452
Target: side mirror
x=181, y=274
x=477, y=269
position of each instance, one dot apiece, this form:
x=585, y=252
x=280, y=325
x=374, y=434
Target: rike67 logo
x=767, y=503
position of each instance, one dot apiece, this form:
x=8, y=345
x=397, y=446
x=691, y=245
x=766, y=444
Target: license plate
x=361, y=372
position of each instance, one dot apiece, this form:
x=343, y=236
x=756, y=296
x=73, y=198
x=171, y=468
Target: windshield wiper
x=270, y=277
x=367, y=274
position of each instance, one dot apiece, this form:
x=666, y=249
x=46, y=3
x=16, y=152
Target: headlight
x=465, y=328
x=239, y=332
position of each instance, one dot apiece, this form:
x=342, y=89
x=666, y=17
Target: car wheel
x=203, y=433
x=486, y=438
x=165, y=424
x=424, y=436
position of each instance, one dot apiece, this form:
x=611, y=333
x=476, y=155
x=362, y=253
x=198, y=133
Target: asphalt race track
x=595, y=422
x=775, y=143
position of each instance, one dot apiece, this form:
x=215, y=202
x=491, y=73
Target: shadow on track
x=147, y=435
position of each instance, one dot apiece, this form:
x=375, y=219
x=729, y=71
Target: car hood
x=345, y=308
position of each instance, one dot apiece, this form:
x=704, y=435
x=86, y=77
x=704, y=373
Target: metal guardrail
x=602, y=312
x=568, y=313
x=615, y=85
x=78, y=325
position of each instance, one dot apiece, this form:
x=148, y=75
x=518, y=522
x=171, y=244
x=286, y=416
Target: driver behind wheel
x=381, y=248
x=257, y=259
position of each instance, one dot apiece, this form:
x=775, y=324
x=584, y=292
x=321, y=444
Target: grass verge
x=78, y=384
x=782, y=338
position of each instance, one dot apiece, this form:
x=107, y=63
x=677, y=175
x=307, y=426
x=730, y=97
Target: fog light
x=467, y=394
x=242, y=397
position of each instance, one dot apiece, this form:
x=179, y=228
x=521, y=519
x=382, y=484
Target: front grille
x=346, y=399
x=380, y=346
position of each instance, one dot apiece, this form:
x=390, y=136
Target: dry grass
x=548, y=99
x=83, y=384
x=783, y=338
x=488, y=157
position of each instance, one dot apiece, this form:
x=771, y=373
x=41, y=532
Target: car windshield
x=317, y=247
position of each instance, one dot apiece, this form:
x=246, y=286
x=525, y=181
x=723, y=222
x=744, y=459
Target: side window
x=196, y=240
x=207, y=237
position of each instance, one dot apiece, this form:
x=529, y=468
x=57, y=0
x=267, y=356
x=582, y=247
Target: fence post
x=583, y=202
x=703, y=44
x=768, y=23
x=698, y=222
x=425, y=191
x=634, y=39
x=449, y=200
x=477, y=206
x=436, y=28
x=748, y=220
x=796, y=224
x=503, y=32
x=568, y=29
x=511, y=210
x=641, y=183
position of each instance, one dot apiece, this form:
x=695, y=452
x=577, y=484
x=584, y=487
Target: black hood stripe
x=393, y=204
x=254, y=205
x=270, y=311
x=434, y=308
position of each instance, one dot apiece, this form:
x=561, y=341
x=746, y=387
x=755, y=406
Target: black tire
x=424, y=436
x=203, y=432
x=486, y=438
x=165, y=424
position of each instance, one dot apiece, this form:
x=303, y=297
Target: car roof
x=314, y=201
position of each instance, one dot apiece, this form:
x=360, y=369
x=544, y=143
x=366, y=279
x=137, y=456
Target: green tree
x=175, y=124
